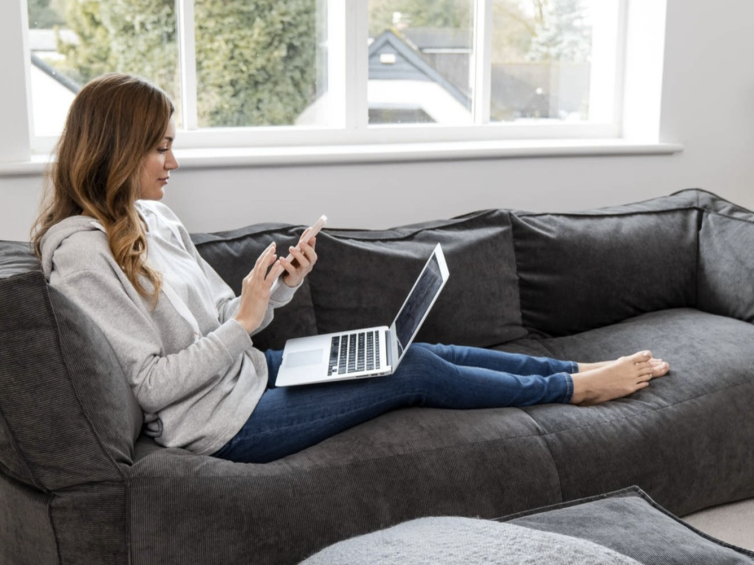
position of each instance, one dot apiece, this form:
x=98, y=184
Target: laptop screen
x=418, y=303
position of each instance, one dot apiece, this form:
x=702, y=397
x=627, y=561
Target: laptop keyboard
x=353, y=353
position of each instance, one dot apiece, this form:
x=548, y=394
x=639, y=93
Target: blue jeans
x=287, y=420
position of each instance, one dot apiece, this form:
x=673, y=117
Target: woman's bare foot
x=659, y=367
x=616, y=379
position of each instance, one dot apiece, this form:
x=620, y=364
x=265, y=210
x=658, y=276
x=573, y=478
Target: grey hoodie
x=191, y=366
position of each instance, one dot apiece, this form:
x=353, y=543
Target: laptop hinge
x=388, y=349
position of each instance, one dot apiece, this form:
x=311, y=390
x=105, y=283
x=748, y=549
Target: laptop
x=371, y=352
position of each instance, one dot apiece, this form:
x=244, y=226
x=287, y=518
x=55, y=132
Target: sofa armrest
x=725, y=283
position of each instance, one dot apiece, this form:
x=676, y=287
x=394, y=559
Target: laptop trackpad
x=304, y=358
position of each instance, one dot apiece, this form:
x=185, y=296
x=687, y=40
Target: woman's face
x=157, y=166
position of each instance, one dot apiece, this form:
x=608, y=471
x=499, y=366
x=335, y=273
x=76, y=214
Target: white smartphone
x=313, y=230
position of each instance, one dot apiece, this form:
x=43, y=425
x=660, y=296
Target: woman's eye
x=162, y=149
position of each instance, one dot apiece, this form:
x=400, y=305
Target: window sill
x=354, y=154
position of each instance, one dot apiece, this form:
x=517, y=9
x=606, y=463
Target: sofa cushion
x=26, y=533
x=726, y=265
x=65, y=399
x=17, y=257
x=402, y=465
x=233, y=254
x=446, y=540
x=587, y=270
x=363, y=277
x=624, y=527
x=629, y=522
x=686, y=439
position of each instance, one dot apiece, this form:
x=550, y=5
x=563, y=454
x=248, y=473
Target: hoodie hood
x=61, y=231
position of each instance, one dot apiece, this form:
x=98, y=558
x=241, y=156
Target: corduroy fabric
x=406, y=464
x=42, y=379
x=66, y=426
x=630, y=522
x=726, y=265
x=687, y=439
x=26, y=535
x=583, y=271
x=711, y=202
x=17, y=257
x=11, y=462
x=233, y=254
x=363, y=278
x=91, y=524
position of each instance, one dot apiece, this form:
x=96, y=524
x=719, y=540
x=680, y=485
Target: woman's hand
x=255, y=293
x=304, y=258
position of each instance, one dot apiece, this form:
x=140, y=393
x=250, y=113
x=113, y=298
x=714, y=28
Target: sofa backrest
x=363, y=277
x=513, y=273
x=67, y=416
x=581, y=271
x=233, y=254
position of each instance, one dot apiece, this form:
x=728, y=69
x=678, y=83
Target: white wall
x=708, y=106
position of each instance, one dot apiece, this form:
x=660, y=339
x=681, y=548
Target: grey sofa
x=79, y=484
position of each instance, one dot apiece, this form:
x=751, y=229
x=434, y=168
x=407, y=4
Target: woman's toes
x=641, y=357
x=660, y=369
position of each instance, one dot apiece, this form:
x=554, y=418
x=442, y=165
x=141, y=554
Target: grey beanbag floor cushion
x=621, y=528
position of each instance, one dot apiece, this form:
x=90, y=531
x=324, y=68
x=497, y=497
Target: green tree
x=562, y=33
x=419, y=13
x=513, y=30
x=256, y=59
x=43, y=14
x=131, y=36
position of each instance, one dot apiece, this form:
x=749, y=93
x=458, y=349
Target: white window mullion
x=347, y=64
x=187, y=55
x=15, y=96
x=643, y=69
x=608, y=33
x=357, y=64
x=336, y=64
x=481, y=70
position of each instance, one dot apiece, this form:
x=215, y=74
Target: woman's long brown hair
x=113, y=123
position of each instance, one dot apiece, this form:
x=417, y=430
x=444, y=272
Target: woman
x=184, y=340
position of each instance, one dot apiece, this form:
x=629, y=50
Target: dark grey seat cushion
x=407, y=463
x=624, y=527
x=420, y=462
x=654, y=438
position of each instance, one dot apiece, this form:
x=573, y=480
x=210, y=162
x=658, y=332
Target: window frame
x=347, y=88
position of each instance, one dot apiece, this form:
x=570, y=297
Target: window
x=317, y=72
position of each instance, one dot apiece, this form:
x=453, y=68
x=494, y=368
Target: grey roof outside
x=54, y=74
x=409, y=65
